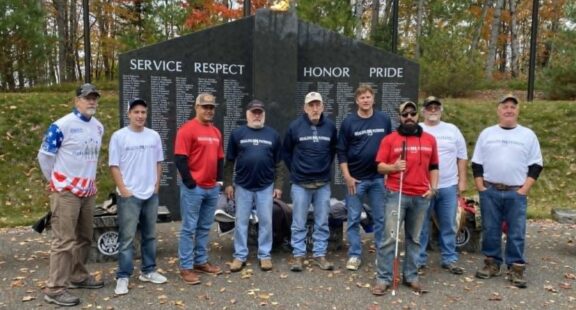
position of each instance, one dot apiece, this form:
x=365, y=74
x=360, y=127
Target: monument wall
x=270, y=56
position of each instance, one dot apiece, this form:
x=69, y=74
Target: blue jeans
x=374, y=188
x=245, y=200
x=444, y=205
x=301, y=199
x=131, y=212
x=496, y=207
x=197, y=208
x=413, y=212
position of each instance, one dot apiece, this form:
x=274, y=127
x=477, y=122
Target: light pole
x=532, y=65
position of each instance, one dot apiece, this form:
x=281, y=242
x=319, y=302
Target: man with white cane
x=411, y=182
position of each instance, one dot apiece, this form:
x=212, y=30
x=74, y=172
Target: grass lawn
x=25, y=116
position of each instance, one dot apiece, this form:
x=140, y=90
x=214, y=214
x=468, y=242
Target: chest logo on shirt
x=209, y=140
x=369, y=132
x=89, y=151
x=255, y=141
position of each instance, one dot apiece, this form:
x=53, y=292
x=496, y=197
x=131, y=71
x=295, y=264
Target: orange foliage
x=208, y=13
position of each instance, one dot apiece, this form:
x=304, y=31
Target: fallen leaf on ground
x=28, y=298
x=495, y=297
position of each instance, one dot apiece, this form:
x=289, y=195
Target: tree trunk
x=61, y=14
x=493, y=40
x=515, y=49
x=419, y=28
x=359, y=12
x=478, y=33
x=73, y=47
x=375, y=16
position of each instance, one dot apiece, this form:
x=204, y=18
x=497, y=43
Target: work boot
x=266, y=264
x=237, y=265
x=189, y=276
x=297, y=264
x=208, y=268
x=491, y=269
x=323, y=263
x=516, y=275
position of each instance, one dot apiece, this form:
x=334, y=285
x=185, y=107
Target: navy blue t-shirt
x=358, y=142
x=256, y=153
x=309, y=149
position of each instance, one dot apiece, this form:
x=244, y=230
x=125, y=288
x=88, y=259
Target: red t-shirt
x=203, y=146
x=421, y=152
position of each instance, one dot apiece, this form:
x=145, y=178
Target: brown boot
x=516, y=275
x=491, y=269
x=266, y=264
x=189, y=276
x=208, y=268
x=237, y=265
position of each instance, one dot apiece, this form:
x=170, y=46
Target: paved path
x=551, y=251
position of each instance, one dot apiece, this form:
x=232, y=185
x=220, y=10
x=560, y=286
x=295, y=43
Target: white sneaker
x=353, y=263
x=121, y=286
x=153, y=277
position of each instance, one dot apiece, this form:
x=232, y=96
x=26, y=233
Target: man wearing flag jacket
x=420, y=181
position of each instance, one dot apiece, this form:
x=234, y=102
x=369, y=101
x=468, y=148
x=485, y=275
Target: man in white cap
x=309, y=149
x=506, y=163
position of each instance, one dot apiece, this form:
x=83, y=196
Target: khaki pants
x=72, y=228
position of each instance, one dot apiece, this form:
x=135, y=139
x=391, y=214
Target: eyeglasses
x=414, y=113
x=207, y=107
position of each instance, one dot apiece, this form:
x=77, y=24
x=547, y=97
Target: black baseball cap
x=137, y=101
x=255, y=105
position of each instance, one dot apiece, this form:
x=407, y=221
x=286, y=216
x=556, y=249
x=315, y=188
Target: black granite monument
x=270, y=56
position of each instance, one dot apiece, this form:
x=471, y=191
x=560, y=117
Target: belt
x=502, y=187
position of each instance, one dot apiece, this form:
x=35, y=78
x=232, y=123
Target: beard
x=90, y=111
x=256, y=124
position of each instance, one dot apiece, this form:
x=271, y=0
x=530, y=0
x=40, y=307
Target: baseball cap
x=405, y=104
x=206, y=100
x=137, y=101
x=255, y=105
x=430, y=100
x=86, y=90
x=509, y=97
x=313, y=96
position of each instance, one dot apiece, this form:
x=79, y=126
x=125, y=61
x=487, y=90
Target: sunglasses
x=409, y=113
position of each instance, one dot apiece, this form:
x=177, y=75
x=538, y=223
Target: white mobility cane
x=395, y=275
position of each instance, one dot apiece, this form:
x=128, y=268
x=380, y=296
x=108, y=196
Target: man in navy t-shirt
x=253, y=160
x=309, y=149
x=358, y=140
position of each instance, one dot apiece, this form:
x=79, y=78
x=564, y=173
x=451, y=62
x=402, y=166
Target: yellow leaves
x=28, y=298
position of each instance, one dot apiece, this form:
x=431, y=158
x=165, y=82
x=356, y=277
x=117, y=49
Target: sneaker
x=237, y=265
x=64, y=299
x=353, y=263
x=121, y=286
x=153, y=277
x=453, y=269
x=323, y=263
x=89, y=283
x=297, y=264
x=208, y=268
x=266, y=264
x=491, y=269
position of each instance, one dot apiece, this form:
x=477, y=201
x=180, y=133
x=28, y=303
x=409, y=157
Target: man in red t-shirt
x=198, y=155
x=420, y=181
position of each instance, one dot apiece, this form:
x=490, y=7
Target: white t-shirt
x=505, y=154
x=137, y=155
x=451, y=146
x=75, y=144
